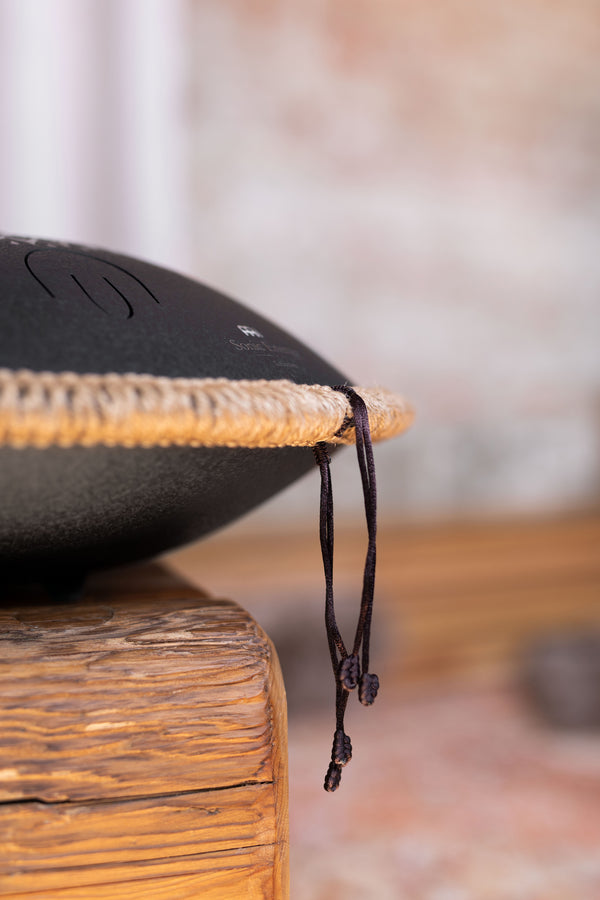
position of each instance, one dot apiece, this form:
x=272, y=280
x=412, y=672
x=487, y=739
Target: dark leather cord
x=350, y=669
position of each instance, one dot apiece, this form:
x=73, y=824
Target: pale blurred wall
x=412, y=187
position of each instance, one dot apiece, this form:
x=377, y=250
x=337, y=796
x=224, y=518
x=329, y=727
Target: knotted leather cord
x=348, y=671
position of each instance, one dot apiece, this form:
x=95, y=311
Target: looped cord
x=350, y=669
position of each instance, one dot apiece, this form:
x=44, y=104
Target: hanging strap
x=350, y=669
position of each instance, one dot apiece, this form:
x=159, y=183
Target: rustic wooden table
x=143, y=746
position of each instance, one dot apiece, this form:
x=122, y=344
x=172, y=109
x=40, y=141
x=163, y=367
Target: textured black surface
x=68, y=308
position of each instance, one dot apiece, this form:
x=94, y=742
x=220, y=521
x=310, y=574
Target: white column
x=93, y=129
x=151, y=58
x=47, y=98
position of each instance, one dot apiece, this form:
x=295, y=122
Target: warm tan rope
x=40, y=409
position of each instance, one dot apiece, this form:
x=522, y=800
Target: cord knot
x=368, y=686
x=333, y=777
x=341, y=753
x=349, y=672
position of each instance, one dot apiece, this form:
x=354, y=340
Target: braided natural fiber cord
x=41, y=409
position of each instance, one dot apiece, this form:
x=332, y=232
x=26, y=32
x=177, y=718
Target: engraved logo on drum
x=71, y=274
x=279, y=355
x=249, y=331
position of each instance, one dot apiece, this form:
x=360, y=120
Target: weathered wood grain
x=245, y=873
x=142, y=744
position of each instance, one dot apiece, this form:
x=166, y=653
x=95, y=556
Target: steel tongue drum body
x=140, y=409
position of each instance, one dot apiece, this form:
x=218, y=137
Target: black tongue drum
x=140, y=410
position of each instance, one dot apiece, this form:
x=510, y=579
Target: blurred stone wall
x=411, y=187
x=414, y=188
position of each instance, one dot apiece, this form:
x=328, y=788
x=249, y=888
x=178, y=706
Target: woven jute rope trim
x=66, y=409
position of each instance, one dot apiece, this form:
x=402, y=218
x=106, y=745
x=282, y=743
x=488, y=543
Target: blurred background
x=413, y=189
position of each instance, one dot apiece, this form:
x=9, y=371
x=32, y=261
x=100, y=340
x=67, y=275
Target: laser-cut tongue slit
x=350, y=670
